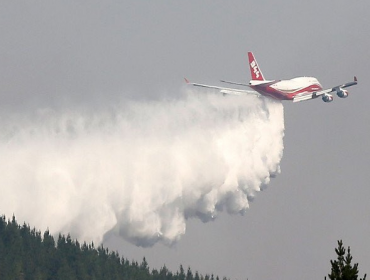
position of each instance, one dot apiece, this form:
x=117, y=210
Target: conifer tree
x=341, y=268
x=189, y=274
x=181, y=274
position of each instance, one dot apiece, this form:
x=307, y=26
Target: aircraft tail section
x=255, y=70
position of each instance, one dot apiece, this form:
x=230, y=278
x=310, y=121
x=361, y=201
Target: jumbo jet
x=297, y=89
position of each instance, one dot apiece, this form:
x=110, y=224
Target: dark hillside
x=27, y=254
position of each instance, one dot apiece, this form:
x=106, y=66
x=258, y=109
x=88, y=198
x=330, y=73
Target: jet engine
x=342, y=93
x=327, y=98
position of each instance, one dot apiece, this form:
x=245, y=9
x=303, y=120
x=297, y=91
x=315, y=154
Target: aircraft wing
x=224, y=90
x=313, y=95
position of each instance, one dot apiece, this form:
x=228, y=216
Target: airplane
x=296, y=90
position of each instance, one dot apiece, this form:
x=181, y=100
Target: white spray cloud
x=139, y=169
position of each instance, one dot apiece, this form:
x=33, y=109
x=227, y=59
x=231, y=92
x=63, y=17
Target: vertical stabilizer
x=255, y=70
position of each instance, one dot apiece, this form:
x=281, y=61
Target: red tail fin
x=255, y=70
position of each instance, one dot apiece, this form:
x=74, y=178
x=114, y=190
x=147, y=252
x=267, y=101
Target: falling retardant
x=139, y=169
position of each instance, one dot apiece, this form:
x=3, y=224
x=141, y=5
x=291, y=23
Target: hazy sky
x=63, y=54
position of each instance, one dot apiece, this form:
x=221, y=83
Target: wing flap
x=303, y=97
x=308, y=96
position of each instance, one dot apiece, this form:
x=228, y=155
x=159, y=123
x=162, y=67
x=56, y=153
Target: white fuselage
x=286, y=89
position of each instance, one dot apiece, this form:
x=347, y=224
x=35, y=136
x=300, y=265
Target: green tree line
x=26, y=254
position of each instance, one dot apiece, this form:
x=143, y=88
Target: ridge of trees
x=26, y=254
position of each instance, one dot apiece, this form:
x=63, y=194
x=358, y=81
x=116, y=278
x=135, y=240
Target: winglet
x=355, y=79
x=186, y=81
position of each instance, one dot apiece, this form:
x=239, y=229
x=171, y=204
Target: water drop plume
x=139, y=169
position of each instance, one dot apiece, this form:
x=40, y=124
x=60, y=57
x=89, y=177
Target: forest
x=27, y=254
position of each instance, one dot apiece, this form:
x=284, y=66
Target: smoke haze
x=139, y=169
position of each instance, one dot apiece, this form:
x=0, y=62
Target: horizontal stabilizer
x=233, y=83
x=224, y=90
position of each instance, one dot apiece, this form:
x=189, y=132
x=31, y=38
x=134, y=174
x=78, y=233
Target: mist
x=138, y=169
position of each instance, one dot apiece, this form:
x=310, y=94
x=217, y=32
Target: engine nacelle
x=327, y=98
x=342, y=93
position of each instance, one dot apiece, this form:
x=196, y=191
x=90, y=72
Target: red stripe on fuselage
x=267, y=90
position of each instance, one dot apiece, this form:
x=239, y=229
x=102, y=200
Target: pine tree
x=181, y=274
x=189, y=274
x=342, y=269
